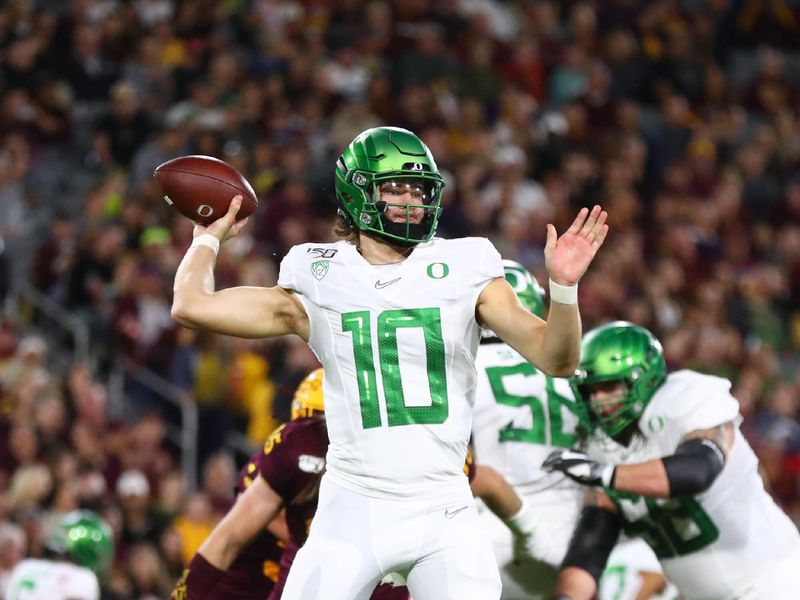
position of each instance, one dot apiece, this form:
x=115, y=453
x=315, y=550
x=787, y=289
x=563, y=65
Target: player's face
x=607, y=397
x=401, y=192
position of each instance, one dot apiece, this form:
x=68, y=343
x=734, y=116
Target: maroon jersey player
x=253, y=574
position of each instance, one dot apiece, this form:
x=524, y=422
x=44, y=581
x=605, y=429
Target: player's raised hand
x=567, y=257
x=226, y=226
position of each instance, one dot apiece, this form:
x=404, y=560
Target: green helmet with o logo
x=619, y=351
x=528, y=290
x=381, y=155
x=84, y=537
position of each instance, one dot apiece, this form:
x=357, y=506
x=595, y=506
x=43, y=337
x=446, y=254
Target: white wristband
x=522, y=523
x=207, y=240
x=563, y=294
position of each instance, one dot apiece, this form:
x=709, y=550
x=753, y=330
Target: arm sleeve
x=694, y=467
x=592, y=541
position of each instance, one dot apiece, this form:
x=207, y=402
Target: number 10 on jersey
x=359, y=325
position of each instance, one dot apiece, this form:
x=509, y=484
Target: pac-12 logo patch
x=319, y=268
x=310, y=464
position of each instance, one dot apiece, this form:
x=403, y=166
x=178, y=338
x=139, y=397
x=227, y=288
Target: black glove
x=579, y=467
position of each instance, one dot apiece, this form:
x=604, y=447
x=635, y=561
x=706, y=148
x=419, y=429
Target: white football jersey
x=398, y=344
x=622, y=577
x=521, y=415
x=713, y=545
x=34, y=579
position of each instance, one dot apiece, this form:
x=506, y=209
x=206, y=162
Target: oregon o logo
x=204, y=210
x=655, y=424
x=438, y=270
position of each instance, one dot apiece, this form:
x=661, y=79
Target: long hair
x=344, y=230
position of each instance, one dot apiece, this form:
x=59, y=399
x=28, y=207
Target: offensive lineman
x=521, y=415
x=669, y=464
x=394, y=315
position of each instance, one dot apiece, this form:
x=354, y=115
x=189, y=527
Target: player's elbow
x=559, y=368
x=186, y=314
x=564, y=370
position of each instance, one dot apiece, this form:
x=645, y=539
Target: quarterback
x=667, y=463
x=394, y=316
x=520, y=416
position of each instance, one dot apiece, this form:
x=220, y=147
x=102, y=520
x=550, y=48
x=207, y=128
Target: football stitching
x=253, y=197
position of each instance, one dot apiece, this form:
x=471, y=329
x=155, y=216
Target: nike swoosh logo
x=449, y=514
x=379, y=285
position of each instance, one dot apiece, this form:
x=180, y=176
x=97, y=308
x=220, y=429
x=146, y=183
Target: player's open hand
x=567, y=257
x=226, y=226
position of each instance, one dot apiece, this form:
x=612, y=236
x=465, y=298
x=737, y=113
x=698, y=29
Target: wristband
x=521, y=523
x=563, y=294
x=209, y=241
x=609, y=477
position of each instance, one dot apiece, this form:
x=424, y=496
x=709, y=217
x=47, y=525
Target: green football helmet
x=84, y=537
x=528, y=290
x=385, y=155
x=619, y=351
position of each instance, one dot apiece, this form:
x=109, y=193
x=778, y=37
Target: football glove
x=579, y=467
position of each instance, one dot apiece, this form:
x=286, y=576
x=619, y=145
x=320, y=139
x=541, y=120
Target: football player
x=254, y=572
x=81, y=547
x=521, y=415
x=394, y=315
x=634, y=573
x=666, y=462
x=291, y=458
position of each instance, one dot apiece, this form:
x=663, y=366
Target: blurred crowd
x=678, y=116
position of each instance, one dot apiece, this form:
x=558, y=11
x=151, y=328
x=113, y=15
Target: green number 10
x=389, y=321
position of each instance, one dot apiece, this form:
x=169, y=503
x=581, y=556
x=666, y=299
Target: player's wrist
x=208, y=240
x=520, y=523
x=563, y=294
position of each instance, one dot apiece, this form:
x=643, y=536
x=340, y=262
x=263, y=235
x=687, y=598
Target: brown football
x=201, y=188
